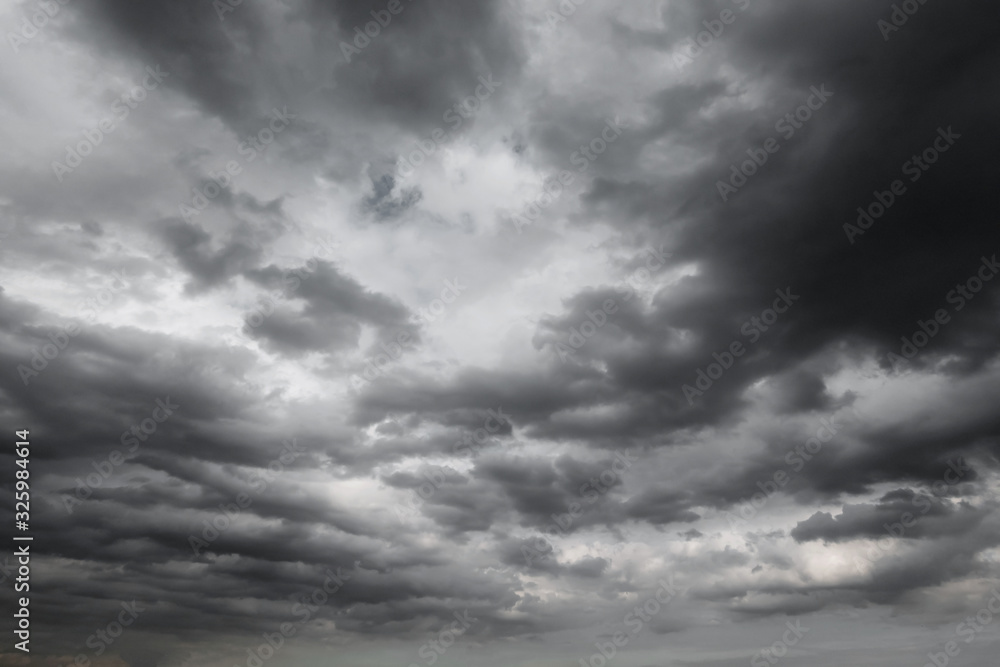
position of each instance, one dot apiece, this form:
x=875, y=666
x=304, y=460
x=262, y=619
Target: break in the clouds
x=527, y=332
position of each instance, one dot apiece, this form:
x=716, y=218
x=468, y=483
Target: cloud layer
x=369, y=315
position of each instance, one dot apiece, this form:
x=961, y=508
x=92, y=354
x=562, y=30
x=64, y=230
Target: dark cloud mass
x=450, y=333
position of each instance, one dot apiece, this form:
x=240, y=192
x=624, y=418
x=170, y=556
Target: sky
x=514, y=333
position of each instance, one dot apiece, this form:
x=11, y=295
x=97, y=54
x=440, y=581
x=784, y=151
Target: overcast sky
x=655, y=333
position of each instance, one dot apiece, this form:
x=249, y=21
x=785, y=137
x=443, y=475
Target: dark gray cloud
x=901, y=514
x=531, y=455
x=333, y=311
